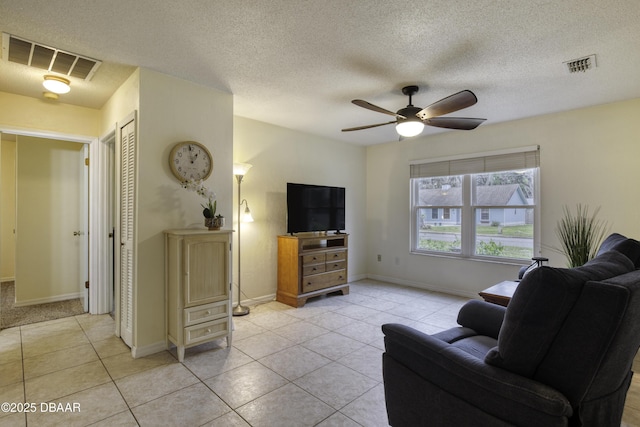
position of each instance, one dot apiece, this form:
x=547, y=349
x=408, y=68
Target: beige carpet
x=11, y=316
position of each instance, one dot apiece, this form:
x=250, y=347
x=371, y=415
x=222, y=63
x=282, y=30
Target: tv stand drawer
x=308, y=270
x=337, y=265
x=324, y=280
x=336, y=256
x=318, y=258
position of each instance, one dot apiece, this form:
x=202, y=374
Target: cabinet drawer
x=206, y=331
x=313, y=259
x=204, y=313
x=324, y=280
x=336, y=256
x=335, y=265
x=308, y=270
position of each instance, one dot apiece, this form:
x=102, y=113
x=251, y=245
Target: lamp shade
x=241, y=168
x=246, y=216
x=56, y=84
x=409, y=128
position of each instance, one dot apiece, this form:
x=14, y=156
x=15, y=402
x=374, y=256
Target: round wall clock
x=190, y=160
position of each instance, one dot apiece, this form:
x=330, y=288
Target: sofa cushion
x=631, y=249
x=539, y=307
x=611, y=241
x=624, y=245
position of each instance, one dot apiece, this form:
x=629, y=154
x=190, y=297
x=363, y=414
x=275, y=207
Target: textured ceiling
x=299, y=63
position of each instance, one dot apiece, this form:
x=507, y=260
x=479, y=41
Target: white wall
x=278, y=156
x=588, y=156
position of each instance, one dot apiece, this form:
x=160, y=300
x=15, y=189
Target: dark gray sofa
x=559, y=355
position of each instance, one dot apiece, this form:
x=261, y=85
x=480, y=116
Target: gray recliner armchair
x=559, y=355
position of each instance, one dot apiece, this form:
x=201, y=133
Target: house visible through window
x=484, y=215
x=488, y=210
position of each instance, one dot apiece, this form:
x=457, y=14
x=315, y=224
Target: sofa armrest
x=483, y=317
x=497, y=391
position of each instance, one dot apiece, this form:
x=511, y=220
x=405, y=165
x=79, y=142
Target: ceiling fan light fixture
x=56, y=84
x=409, y=128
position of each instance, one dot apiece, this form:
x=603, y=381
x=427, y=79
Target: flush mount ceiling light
x=50, y=95
x=56, y=84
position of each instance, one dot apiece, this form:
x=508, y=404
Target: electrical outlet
x=379, y=257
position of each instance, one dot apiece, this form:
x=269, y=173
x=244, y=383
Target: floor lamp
x=240, y=170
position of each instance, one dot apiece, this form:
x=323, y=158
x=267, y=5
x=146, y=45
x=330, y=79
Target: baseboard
x=425, y=286
x=148, y=350
x=259, y=300
x=56, y=298
x=356, y=277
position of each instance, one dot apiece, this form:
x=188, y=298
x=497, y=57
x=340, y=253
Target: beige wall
x=7, y=209
x=588, y=156
x=278, y=156
x=122, y=103
x=173, y=110
x=22, y=112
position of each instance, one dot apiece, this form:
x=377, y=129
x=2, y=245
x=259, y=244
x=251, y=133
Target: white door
x=126, y=223
x=51, y=224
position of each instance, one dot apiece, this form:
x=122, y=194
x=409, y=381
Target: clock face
x=190, y=160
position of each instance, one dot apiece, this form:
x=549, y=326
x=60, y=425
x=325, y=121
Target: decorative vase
x=209, y=223
x=218, y=222
x=214, y=223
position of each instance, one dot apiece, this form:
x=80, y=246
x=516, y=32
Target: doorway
x=50, y=229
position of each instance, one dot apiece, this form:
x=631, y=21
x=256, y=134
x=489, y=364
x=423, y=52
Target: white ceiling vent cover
x=32, y=54
x=581, y=64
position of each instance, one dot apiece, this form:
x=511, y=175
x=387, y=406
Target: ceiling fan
x=410, y=120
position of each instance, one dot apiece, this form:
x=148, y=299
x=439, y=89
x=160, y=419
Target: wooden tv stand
x=311, y=265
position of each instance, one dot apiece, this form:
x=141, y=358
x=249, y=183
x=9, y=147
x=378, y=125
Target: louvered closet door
x=127, y=223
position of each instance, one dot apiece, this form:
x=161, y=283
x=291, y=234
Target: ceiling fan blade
x=455, y=102
x=462, y=123
x=367, y=126
x=370, y=106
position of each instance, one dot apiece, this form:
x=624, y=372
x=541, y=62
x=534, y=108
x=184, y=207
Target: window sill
x=488, y=260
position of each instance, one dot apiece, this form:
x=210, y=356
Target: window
x=487, y=211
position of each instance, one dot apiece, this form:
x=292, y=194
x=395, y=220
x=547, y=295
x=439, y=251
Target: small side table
x=500, y=293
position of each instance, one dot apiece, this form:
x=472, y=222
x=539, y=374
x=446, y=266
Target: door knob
x=78, y=233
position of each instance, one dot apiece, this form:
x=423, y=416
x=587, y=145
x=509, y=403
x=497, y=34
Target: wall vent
x=581, y=64
x=32, y=54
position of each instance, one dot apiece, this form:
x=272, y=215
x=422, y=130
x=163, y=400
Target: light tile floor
x=319, y=365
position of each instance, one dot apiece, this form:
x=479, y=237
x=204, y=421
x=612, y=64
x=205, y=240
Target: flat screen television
x=315, y=208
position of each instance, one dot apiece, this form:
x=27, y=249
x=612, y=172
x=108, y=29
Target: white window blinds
x=525, y=158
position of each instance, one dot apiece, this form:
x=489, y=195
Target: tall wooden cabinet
x=198, y=287
x=309, y=266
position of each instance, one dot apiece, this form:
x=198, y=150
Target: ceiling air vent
x=32, y=54
x=581, y=64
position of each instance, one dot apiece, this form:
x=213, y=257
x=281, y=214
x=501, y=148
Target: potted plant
x=211, y=220
x=580, y=235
